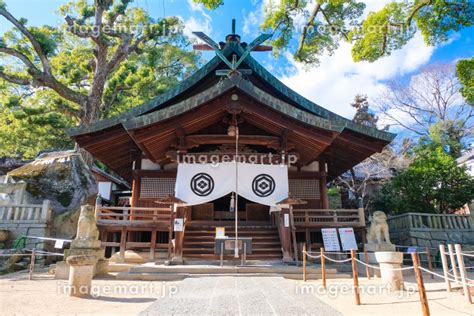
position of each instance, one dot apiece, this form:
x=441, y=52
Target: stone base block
x=379, y=247
x=96, y=252
x=389, y=263
x=82, y=243
x=61, y=272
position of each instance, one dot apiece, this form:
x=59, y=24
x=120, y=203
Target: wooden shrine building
x=197, y=120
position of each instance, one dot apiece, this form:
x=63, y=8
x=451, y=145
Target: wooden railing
x=430, y=221
x=25, y=213
x=128, y=215
x=329, y=217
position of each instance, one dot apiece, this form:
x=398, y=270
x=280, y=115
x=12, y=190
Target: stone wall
x=28, y=229
x=27, y=220
x=431, y=237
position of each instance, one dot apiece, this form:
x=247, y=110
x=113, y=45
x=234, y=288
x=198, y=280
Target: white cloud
x=251, y=22
x=338, y=79
x=198, y=21
x=194, y=24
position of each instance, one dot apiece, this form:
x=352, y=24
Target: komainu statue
x=378, y=230
x=87, y=226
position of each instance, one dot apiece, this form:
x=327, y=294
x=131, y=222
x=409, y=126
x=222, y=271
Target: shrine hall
x=229, y=153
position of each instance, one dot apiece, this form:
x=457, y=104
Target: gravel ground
x=239, y=296
x=225, y=295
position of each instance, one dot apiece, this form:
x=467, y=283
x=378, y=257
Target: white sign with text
x=330, y=240
x=348, y=240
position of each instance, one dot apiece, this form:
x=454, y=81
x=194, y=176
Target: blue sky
x=333, y=84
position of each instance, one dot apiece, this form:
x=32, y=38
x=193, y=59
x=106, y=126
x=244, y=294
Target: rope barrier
x=442, y=277
x=467, y=255
x=312, y=256
x=38, y=252
x=337, y=261
x=375, y=267
x=49, y=253
x=47, y=238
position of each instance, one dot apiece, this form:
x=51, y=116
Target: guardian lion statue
x=378, y=230
x=86, y=226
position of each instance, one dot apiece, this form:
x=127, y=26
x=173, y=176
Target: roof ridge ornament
x=233, y=65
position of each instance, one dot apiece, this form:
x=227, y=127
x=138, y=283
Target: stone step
x=210, y=269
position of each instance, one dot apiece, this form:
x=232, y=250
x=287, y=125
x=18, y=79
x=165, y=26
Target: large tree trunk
x=90, y=115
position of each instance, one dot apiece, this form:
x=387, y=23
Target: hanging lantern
x=232, y=203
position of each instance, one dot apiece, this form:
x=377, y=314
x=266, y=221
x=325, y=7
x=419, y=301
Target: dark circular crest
x=263, y=185
x=202, y=184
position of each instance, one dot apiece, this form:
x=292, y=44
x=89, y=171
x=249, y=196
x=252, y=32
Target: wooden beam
x=269, y=141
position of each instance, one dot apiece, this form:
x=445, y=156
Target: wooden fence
x=329, y=217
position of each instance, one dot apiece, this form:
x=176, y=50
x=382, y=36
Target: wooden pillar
x=135, y=193
x=324, y=193
x=153, y=244
x=123, y=241
x=308, y=240
x=285, y=234
x=179, y=238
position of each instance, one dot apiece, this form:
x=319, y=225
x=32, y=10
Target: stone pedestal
x=371, y=249
x=389, y=260
x=85, y=244
x=80, y=275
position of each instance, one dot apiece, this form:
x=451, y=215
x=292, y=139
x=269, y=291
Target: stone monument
x=378, y=238
x=86, y=243
x=382, y=251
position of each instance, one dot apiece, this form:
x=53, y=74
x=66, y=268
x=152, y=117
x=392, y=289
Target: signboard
x=220, y=232
x=330, y=240
x=59, y=244
x=230, y=244
x=178, y=224
x=348, y=240
x=286, y=220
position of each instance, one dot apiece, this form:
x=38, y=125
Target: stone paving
x=238, y=296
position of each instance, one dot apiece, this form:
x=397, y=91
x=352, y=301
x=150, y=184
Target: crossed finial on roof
x=233, y=65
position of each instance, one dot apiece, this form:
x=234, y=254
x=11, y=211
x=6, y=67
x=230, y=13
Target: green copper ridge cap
x=223, y=87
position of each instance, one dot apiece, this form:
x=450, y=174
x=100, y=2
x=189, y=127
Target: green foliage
x=449, y=135
x=465, y=74
x=394, y=25
x=433, y=183
x=381, y=33
x=325, y=28
x=328, y=22
x=30, y=124
x=363, y=115
x=210, y=4
x=33, y=116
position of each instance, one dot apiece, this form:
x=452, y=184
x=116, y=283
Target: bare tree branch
x=36, y=46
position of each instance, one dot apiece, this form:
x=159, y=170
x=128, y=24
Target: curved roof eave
x=309, y=106
x=313, y=107
x=153, y=103
x=217, y=90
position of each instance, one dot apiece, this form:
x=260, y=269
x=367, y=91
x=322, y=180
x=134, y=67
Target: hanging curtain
x=201, y=183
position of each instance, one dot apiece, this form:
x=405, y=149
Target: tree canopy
x=320, y=26
x=432, y=183
x=105, y=58
x=465, y=73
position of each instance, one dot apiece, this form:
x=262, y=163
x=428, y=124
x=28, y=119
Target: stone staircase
x=199, y=242
x=153, y=272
